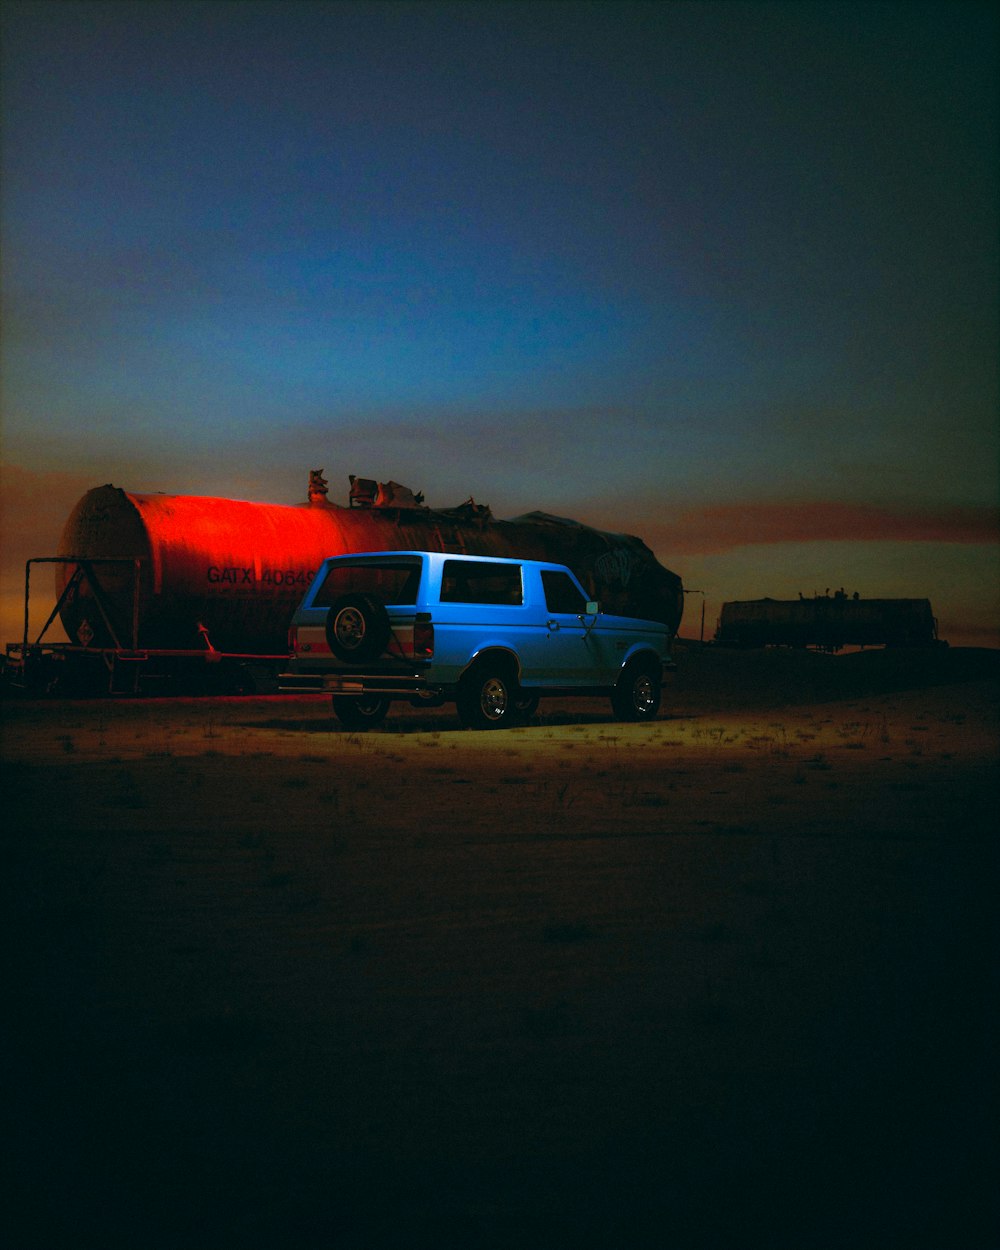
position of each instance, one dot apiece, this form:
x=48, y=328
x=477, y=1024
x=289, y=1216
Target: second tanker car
x=827, y=623
x=192, y=592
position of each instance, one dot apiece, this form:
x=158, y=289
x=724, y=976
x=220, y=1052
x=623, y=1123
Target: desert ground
x=722, y=980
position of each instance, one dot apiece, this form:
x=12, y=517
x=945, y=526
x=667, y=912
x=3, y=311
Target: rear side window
x=561, y=594
x=395, y=583
x=466, y=581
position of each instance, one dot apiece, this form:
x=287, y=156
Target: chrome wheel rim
x=493, y=699
x=643, y=694
x=349, y=628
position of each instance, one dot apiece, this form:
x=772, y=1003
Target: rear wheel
x=636, y=697
x=362, y=712
x=486, y=697
x=525, y=704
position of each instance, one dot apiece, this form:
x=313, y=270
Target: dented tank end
x=232, y=572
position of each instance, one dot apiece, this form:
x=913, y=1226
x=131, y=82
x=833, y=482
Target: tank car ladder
x=31, y=654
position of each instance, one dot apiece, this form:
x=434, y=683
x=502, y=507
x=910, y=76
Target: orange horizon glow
x=717, y=547
x=716, y=528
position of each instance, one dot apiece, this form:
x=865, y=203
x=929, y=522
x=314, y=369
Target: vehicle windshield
x=395, y=582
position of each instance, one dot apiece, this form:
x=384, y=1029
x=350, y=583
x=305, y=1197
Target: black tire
x=636, y=697
x=486, y=697
x=360, y=712
x=357, y=628
x=525, y=704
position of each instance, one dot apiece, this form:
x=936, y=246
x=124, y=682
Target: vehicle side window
x=467, y=581
x=389, y=583
x=561, y=593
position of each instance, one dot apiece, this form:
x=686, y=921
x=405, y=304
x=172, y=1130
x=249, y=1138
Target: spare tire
x=357, y=628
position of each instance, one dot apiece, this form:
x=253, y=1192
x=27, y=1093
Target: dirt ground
x=724, y=980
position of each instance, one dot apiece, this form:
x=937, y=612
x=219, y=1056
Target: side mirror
x=592, y=608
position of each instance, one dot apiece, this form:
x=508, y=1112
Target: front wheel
x=636, y=697
x=486, y=698
x=364, y=712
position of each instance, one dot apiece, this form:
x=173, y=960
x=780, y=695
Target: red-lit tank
x=239, y=569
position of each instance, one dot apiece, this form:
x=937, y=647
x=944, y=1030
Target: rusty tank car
x=827, y=623
x=154, y=584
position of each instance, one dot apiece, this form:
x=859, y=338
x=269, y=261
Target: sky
x=721, y=275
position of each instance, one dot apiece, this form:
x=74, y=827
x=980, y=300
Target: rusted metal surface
x=828, y=622
x=230, y=573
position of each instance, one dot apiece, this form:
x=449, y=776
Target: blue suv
x=490, y=634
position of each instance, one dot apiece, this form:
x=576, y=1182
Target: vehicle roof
x=441, y=556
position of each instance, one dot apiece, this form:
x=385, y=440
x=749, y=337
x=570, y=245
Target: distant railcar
x=166, y=584
x=827, y=623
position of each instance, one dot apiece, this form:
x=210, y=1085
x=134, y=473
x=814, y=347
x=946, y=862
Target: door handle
x=552, y=624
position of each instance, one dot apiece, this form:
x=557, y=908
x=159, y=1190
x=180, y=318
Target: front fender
x=643, y=653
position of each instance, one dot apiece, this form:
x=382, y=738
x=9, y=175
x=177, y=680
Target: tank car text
x=230, y=575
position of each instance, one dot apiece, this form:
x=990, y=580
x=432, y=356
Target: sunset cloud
x=717, y=528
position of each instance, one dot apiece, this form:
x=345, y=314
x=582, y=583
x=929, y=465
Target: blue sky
x=632, y=263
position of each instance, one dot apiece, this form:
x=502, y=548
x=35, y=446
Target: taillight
x=423, y=636
x=293, y=637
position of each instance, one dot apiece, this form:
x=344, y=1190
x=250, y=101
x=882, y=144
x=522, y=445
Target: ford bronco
x=491, y=634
